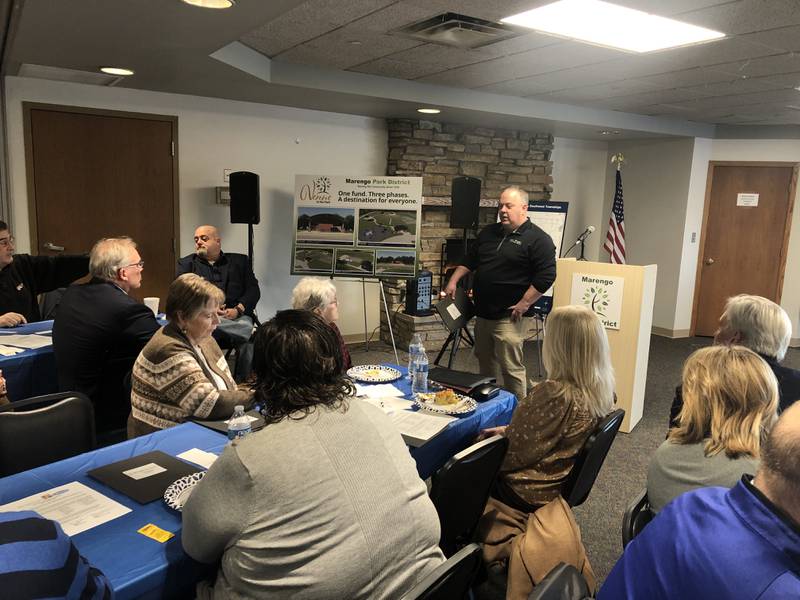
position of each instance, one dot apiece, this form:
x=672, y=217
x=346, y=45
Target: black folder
x=457, y=312
x=149, y=488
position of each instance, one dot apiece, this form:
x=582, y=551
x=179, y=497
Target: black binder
x=458, y=380
x=149, y=488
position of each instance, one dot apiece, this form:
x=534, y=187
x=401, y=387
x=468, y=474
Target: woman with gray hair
x=181, y=372
x=318, y=295
x=764, y=327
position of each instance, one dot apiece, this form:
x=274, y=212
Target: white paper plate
x=373, y=374
x=179, y=491
x=465, y=405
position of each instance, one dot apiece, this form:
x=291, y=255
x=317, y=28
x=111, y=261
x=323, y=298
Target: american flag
x=615, y=238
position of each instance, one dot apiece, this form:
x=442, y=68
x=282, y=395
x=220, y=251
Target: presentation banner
x=362, y=226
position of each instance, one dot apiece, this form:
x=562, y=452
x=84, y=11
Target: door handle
x=709, y=261
x=53, y=247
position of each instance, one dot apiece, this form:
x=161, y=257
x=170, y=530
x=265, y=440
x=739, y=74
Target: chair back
x=636, y=516
x=564, y=582
x=44, y=429
x=581, y=478
x=460, y=489
x=452, y=579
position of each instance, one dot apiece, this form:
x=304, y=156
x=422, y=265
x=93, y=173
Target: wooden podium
x=630, y=343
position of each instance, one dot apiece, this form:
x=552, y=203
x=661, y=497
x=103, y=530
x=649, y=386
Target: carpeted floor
x=624, y=472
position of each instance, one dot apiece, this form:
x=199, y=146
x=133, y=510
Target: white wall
x=655, y=183
x=784, y=151
x=579, y=174
x=275, y=142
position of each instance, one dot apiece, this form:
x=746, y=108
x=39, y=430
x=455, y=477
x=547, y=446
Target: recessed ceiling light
x=211, y=3
x=798, y=88
x=429, y=111
x=354, y=42
x=607, y=24
x=116, y=71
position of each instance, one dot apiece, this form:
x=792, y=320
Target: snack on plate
x=371, y=373
x=446, y=397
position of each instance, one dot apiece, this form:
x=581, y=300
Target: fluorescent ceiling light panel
x=429, y=111
x=607, y=24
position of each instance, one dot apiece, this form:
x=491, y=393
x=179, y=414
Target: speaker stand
x=453, y=340
x=250, y=244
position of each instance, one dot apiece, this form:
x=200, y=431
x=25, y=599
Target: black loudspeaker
x=465, y=202
x=245, y=205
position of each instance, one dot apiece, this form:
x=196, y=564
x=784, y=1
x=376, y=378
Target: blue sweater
x=711, y=543
x=38, y=560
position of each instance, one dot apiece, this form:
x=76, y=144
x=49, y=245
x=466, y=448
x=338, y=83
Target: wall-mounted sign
x=364, y=226
x=601, y=293
x=747, y=199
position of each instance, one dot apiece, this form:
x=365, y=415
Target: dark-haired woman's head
x=298, y=365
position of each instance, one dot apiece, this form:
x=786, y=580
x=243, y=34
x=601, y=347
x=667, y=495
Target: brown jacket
x=545, y=435
x=531, y=545
x=170, y=383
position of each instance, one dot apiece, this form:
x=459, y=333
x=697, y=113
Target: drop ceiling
x=347, y=56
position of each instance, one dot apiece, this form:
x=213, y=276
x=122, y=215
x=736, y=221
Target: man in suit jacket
x=99, y=331
x=232, y=274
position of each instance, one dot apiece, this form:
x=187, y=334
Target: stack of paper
x=419, y=427
x=381, y=390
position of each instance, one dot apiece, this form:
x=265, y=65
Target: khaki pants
x=498, y=348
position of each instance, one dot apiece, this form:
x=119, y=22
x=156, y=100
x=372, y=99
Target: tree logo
x=596, y=298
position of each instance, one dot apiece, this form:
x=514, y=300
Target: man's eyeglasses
x=139, y=264
x=6, y=242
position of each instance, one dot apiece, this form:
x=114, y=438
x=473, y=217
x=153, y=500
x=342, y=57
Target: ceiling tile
x=746, y=16
x=756, y=98
x=736, y=86
x=388, y=67
x=689, y=77
x=787, y=80
x=769, y=65
x=633, y=101
x=713, y=53
x=782, y=39
x=540, y=60
x=306, y=22
x=335, y=49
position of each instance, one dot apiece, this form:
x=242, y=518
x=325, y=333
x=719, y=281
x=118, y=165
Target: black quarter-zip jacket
x=506, y=264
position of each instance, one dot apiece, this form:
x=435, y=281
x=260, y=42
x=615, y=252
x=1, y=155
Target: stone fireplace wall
x=438, y=152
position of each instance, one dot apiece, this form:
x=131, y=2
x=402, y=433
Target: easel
x=386, y=311
x=454, y=337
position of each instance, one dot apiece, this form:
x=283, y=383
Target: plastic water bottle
x=419, y=384
x=414, y=349
x=239, y=423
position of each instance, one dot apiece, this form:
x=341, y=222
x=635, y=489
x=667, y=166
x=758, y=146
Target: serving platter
x=179, y=491
x=373, y=374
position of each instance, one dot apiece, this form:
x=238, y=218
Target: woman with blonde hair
x=181, y=372
x=730, y=402
x=550, y=426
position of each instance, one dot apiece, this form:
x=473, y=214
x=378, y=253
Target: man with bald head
x=232, y=274
x=718, y=543
x=514, y=263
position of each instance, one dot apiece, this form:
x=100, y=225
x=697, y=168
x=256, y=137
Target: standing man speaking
x=514, y=262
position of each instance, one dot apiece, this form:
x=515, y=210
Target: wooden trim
x=670, y=333
x=787, y=226
x=701, y=254
x=29, y=107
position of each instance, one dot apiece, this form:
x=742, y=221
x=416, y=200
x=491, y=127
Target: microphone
x=586, y=233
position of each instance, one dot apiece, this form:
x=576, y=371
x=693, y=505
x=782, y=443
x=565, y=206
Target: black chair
x=564, y=582
x=44, y=429
x=637, y=515
x=581, y=478
x=452, y=579
x=460, y=489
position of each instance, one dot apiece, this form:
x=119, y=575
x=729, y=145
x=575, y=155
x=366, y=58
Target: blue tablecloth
x=31, y=372
x=461, y=432
x=137, y=566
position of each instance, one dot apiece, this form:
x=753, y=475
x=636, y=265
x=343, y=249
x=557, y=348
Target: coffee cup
x=152, y=304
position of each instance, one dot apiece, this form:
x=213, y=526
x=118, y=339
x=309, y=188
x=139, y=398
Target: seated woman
x=325, y=501
x=319, y=295
x=730, y=402
x=181, y=372
x=550, y=426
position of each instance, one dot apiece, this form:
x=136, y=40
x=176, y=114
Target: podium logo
x=596, y=298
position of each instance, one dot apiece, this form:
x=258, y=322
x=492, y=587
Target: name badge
x=517, y=242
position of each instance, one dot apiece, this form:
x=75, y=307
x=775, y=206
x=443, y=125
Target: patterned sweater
x=171, y=383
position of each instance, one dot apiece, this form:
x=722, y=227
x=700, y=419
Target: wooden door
x=744, y=239
x=95, y=174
